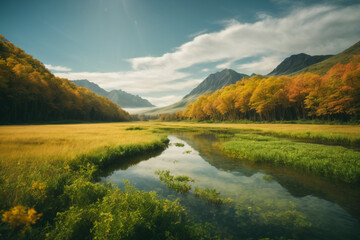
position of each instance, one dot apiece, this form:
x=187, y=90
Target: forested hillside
x=335, y=95
x=30, y=92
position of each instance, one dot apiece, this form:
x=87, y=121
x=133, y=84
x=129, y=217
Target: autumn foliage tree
x=30, y=92
x=335, y=95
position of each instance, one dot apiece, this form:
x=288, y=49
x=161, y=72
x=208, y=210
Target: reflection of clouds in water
x=230, y=184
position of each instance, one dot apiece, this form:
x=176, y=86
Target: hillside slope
x=324, y=66
x=216, y=81
x=295, y=63
x=121, y=98
x=29, y=92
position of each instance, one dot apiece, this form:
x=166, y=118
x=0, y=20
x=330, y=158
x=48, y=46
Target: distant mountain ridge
x=322, y=67
x=212, y=83
x=121, y=98
x=296, y=62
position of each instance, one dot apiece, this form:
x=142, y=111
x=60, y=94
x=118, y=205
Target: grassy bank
x=337, y=163
x=341, y=135
x=47, y=174
x=47, y=191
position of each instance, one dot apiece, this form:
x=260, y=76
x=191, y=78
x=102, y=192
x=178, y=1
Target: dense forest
x=29, y=92
x=333, y=96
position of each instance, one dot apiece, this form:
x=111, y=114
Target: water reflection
x=298, y=184
x=261, y=208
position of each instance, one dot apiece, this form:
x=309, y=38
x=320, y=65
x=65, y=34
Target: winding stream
x=283, y=203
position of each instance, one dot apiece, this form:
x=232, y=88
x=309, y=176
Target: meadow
x=333, y=162
x=342, y=135
x=48, y=173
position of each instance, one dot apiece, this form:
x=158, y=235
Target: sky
x=162, y=49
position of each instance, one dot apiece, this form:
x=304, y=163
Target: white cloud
x=57, y=68
x=224, y=65
x=314, y=30
x=205, y=70
x=264, y=65
x=198, y=33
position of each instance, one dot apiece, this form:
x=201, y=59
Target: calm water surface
x=281, y=206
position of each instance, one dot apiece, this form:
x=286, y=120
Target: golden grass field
x=28, y=147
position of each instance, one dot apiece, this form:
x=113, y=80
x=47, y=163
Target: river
x=267, y=201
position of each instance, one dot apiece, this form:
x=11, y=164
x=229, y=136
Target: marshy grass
x=179, y=144
x=51, y=169
x=40, y=152
x=343, y=135
x=268, y=178
x=333, y=162
x=134, y=128
x=259, y=219
x=330, y=138
x=211, y=195
x=177, y=183
x=40, y=164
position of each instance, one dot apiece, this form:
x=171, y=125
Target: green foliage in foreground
x=259, y=219
x=102, y=212
x=176, y=183
x=72, y=206
x=211, y=195
x=334, y=162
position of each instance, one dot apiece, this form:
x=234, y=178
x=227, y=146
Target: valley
x=179, y=120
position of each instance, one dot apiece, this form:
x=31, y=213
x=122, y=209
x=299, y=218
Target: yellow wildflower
x=20, y=215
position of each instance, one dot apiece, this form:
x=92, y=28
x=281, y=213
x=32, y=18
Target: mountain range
x=121, y=98
x=292, y=65
x=322, y=67
x=295, y=63
x=212, y=83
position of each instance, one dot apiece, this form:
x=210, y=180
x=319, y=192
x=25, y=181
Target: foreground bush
x=103, y=212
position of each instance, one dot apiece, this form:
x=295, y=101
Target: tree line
x=333, y=96
x=29, y=92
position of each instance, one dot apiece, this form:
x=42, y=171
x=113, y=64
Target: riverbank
x=47, y=189
x=50, y=169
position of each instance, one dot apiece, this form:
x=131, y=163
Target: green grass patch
x=177, y=183
x=267, y=178
x=259, y=219
x=337, y=163
x=211, y=195
x=179, y=144
x=100, y=211
x=134, y=128
x=340, y=139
